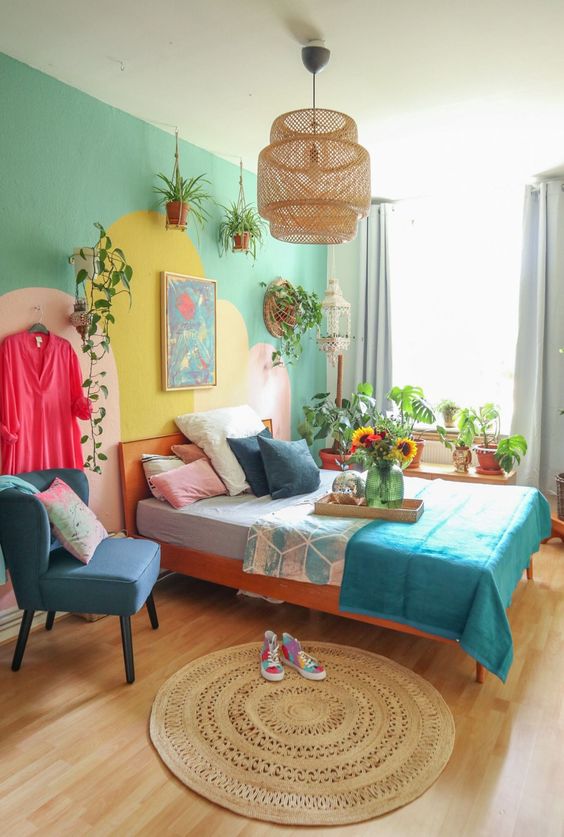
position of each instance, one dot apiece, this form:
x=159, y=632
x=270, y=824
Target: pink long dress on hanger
x=41, y=397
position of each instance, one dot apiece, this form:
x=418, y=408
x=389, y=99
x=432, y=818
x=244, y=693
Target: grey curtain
x=373, y=361
x=539, y=368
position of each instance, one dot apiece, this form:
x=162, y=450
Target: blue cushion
x=290, y=468
x=116, y=581
x=249, y=458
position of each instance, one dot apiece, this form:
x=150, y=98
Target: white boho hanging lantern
x=337, y=315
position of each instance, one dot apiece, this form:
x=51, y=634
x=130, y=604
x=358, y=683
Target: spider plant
x=190, y=191
x=240, y=219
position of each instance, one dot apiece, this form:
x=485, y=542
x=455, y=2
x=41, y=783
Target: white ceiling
x=445, y=92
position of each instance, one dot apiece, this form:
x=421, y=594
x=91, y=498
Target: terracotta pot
x=462, y=458
x=416, y=461
x=330, y=459
x=241, y=242
x=177, y=213
x=487, y=463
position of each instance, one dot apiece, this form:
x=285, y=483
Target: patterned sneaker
x=294, y=656
x=270, y=665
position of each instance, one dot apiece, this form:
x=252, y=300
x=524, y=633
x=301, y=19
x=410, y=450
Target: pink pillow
x=74, y=524
x=190, y=483
x=189, y=453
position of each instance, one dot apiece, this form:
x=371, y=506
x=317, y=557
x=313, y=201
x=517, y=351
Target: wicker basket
x=274, y=314
x=560, y=495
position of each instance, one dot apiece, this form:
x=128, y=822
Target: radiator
x=436, y=454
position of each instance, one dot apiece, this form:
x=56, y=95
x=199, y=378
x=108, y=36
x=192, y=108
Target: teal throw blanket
x=454, y=571
x=8, y=481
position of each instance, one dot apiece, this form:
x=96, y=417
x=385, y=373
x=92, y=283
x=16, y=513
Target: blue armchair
x=118, y=580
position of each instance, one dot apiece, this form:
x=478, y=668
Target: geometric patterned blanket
x=294, y=543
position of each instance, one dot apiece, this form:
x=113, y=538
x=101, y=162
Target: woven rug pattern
x=371, y=737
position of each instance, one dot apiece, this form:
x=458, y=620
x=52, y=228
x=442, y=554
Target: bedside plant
x=494, y=455
x=241, y=229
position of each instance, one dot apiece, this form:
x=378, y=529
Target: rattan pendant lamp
x=314, y=177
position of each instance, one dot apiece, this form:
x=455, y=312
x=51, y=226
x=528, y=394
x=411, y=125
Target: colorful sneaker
x=294, y=656
x=270, y=665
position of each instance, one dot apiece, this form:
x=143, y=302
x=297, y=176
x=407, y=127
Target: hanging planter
x=289, y=312
x=182, y=196
x=242, y=228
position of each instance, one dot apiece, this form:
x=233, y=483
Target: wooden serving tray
x=409, y=512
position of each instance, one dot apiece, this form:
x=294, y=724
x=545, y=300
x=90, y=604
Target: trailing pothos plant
x=112, y=277
x=304, y=312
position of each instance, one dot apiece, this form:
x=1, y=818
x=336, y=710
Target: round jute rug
x=370, y=738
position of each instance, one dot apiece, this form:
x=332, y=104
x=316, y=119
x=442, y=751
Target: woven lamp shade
x=313, y=178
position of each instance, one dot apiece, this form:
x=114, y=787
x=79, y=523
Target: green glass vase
x=384, y=486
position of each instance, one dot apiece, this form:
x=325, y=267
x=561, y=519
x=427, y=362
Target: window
x=454, y=275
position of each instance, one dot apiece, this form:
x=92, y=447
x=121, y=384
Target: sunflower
x=360, y=436
x=407, y=448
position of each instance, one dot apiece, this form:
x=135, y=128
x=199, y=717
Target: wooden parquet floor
x=75, y=755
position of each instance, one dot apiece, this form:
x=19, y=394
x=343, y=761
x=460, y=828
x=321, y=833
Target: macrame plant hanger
x=241, y=241
x=176, y=179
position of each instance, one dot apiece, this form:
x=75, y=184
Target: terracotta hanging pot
x=487, y=463
x=241, y=242
x=176, y=214
x=416, y=461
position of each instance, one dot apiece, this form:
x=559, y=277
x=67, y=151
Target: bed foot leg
x=530, y=571
x=480, y=672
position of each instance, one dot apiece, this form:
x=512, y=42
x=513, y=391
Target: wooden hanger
x=38, y=327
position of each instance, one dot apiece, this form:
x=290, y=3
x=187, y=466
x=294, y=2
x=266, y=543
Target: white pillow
x=155, y=463
x=210, y=430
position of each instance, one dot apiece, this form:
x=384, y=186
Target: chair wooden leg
x=27, y=619
x=152, y=611
x=50, y=619
x=125, y=622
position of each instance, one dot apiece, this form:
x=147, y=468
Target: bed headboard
x=133, y=483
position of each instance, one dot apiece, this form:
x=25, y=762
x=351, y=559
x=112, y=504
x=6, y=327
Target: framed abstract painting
x=189, y=344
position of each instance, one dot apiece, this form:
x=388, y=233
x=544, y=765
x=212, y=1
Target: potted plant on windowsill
x=448, y=409
x=413, y=409
x=241, y=230
x=494, y=454
x=323, y=418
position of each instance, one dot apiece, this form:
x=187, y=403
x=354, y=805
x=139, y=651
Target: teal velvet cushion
x=248, y=456
x=290, y=468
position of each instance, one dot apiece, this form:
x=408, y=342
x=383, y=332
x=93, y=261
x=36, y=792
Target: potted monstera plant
x=413, y=409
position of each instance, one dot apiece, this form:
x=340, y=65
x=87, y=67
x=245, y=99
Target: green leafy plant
x=448, y=410
x=191, y=191
x=113, y=278
x=323, y=417
x=483, y=424
x=239, y=219
x=510, y=450
x=302, y=312
x=412, y=406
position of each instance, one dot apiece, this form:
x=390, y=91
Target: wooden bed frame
x=226, y=571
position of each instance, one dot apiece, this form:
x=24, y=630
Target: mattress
x=218, y=525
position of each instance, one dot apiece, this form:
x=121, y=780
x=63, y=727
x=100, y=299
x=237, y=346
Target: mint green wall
x=67, y=160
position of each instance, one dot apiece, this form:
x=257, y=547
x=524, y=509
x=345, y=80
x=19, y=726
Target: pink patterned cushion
x=74, y=524
x=189, y=453
x=192, y=482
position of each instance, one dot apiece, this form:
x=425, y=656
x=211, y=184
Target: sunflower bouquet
x=380, y=444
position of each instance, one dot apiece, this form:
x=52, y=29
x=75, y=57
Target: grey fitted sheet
x=218, y=525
